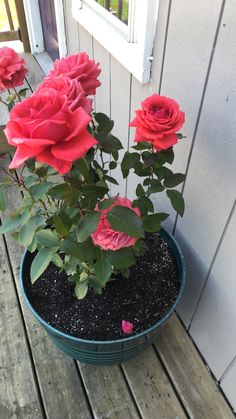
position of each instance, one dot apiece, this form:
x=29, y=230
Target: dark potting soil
x=142, y=299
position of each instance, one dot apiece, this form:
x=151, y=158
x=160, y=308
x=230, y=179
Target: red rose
x=71, y=88
x=158, y=122
x=12, y=70
x=109, y=239
x=43, y=127
x=80, y=68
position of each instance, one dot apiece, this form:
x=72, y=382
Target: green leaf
x=129, y=161
x=122, y=258
x=27, y=231
x=97, y=191
x=112, y=165
x=106, y=203
x=37, y=191
x=144, y=204
x=142, y=146
x=82, y=252
x=3, y=200
x=162, y=172
x=83, y=168
x=155, y=186
x=152, y=222
x=57, y=260
x=108, y=143
x=168, y=155
x=173, y=180
x=105, y=124
x=59, y=191
x=14, y=222
x=115, y=155
x=81, y=289
x=125, y=220
x=150, y=159
x=88, y=225
x=140, y=170
x=62, y=223
x=177, y=201
x=180, y=136
x=10, y=106
x=111, y=179
x=103, y=269
x=48, y=238
x=40, y=263
x=140, y=191
x=22, y=92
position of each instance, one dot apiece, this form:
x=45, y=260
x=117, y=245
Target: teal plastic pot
x=112, y=351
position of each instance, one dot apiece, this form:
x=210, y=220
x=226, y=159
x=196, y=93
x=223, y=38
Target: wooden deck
x=167, y=381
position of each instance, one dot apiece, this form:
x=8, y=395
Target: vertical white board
x=103, y=92
x=210, y=184
x=72, y=29
x=229, y=387
x=214, y=325
x=85, y=41
x=120, y=104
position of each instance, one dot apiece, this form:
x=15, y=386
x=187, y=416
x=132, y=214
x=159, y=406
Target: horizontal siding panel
x=210, y=184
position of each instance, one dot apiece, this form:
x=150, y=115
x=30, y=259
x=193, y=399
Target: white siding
x=194, y=62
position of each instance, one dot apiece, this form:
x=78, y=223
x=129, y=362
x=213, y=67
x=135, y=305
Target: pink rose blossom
x=109, y=239
x=158, y=121
x=43, y=127
x=12, y=69
x=71, y=88
x=127, y=327
x=80, y=68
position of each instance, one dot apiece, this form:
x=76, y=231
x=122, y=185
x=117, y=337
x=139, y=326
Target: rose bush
x=45, y=128
x=12, y=69
x=80, y=68
x=72, y=220
x=158, y=122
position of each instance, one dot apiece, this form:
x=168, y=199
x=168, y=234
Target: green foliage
x=152, y=223
x=87, y=225
x=125, y=220
x=40, y=263
x=3, y=200
x=177, y=201
x=122, y=258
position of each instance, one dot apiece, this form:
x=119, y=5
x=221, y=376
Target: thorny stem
x=17, y=95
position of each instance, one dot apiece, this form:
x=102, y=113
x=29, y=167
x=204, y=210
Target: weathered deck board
x=151, y=387
x=18, y=392
x=57, y=375
x=193, y=382
x=108, y=392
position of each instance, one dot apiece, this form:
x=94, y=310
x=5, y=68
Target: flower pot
x=112, y=351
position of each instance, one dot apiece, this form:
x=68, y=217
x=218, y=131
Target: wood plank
x=18, y=396
x=211, y=179
x=19, y=5
x=108, y=392
x=45, y=62
x=9, y=35
x=228, y=385
x=199, y=393
x=217, y=308
x=151, y=387
x=56, y=373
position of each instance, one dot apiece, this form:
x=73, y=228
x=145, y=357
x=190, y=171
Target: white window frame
x=130, y=44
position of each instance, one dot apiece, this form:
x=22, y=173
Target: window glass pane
x=118, y=8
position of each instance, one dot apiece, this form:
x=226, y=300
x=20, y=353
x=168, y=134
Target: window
x=125, y=28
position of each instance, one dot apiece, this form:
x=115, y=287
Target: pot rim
x=182, y=269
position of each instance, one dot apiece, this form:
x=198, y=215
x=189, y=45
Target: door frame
x=35, y=29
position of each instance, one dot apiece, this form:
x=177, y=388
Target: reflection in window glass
x=118, y=8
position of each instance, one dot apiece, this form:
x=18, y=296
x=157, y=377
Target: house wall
x=194, y=62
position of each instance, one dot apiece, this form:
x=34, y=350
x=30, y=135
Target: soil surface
x=142, y=299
